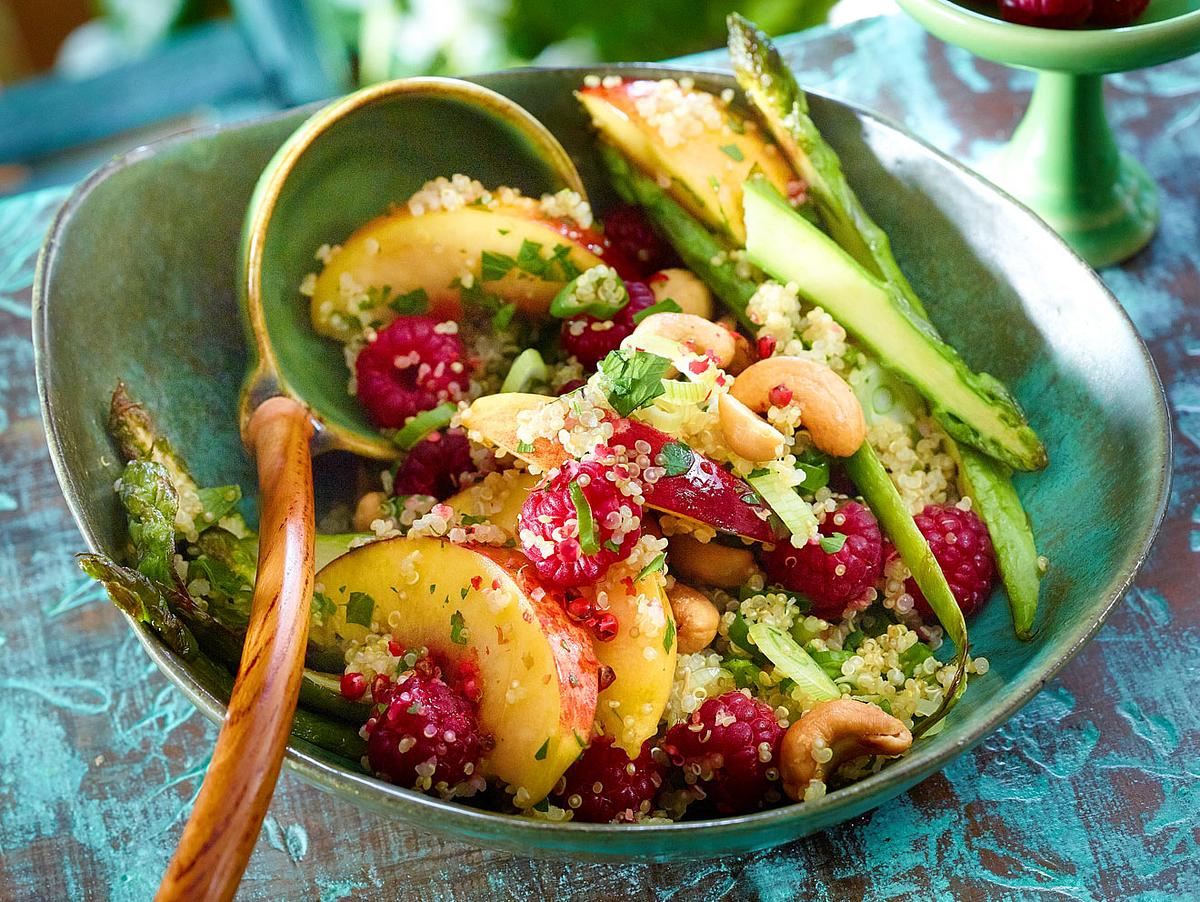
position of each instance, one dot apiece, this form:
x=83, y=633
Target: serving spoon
x=339, y=169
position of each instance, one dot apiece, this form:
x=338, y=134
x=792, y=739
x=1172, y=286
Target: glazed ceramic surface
x=139, y=278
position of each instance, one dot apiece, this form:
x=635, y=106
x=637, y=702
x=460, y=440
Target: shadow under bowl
x=139, y=278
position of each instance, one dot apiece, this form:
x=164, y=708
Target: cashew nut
x=837, y=731
x=828, y=408
x=368, y=510
x=695, y=333
x=708, y=563
x=743, y=352
x=684, y=288
x=747, y=434
x=696, y=618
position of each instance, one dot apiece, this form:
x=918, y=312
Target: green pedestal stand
x=1062, y=160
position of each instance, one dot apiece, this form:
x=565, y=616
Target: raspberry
x=728, y=747
x=835, y=581
x=435, y=466
x=963, y=549
x=604, y=785
x=1117, y=13
x=1046, y=13
x=630, y=232
x=425, y=735
x=549, y=527
x=590, y=339
x=407, y=368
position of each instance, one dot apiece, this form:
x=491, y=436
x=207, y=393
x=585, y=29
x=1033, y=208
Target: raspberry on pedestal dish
x=435, y=466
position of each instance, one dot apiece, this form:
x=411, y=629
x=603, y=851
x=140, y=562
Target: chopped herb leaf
x=458, y=629
x=422, y=424
x=415, y=303
x=654, y=566
x=562, y=259
x=612, y=546
x=669, y=636
x=414, y=708
x=714, y=183
x=495, y=266
x=360, y=608
x=529, y=259
x=833, y=544
x=540, y=754
x=503, y=317
x=503, y=231
x=463, y=592
x=676, y=458
x=666, y=305
x=323, y=608
x=733, y=152
x=634, y=379
x=587, y=526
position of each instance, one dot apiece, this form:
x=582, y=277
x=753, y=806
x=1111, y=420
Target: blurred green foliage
x=392, y=38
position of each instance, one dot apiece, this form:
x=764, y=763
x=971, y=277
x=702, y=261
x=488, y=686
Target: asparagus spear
x=773, y=89
x=141, y=598
x=872, y=479
x=702, y=252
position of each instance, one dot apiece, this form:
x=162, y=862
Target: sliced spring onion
x=527, y=370
x=688, y=393
x=783, y=498
x=794, y=662
x=582, y=295
x=587, y=525
x=422, y=424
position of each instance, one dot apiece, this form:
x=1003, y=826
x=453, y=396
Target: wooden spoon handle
x=228, y=814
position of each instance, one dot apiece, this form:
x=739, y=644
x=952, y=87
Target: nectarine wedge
x=403, y=263
x=537, y=669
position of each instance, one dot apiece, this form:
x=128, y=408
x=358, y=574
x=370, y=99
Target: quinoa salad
x=692, y=505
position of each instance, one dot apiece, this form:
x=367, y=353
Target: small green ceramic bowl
x=139, y=279
x=1063, y=161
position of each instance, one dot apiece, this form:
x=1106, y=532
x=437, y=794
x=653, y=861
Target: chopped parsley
x=733, y=152
x=833, y=544
x=666, y=305
x=323, y=607
x=634, y=379
x=360, y=608
x=415, y=303
x=669, y=636
x=654, y=566
x=541, y=753
x=503, y=317
x=495, y=266
x=458, y=629
x=676, y=458
x=587, y=525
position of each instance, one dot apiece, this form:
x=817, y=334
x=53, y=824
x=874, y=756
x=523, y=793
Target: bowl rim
x=1068, y=50
x=496, y=830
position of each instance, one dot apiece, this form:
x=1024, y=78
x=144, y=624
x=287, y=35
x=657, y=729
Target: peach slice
x=537, y=669
x=401, y=262
x=641, y=655
x=704, y=146
x=705, y=492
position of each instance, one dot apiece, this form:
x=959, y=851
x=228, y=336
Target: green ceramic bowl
x=139, y=280
x=1062, y=160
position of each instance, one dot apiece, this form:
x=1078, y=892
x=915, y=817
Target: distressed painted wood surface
x=1091, y=792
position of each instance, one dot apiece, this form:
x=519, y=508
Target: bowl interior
x=346, y=165
x=140, y=279
x=1169, y=29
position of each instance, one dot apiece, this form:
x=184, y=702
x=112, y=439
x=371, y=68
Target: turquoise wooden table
x=1091, y=792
